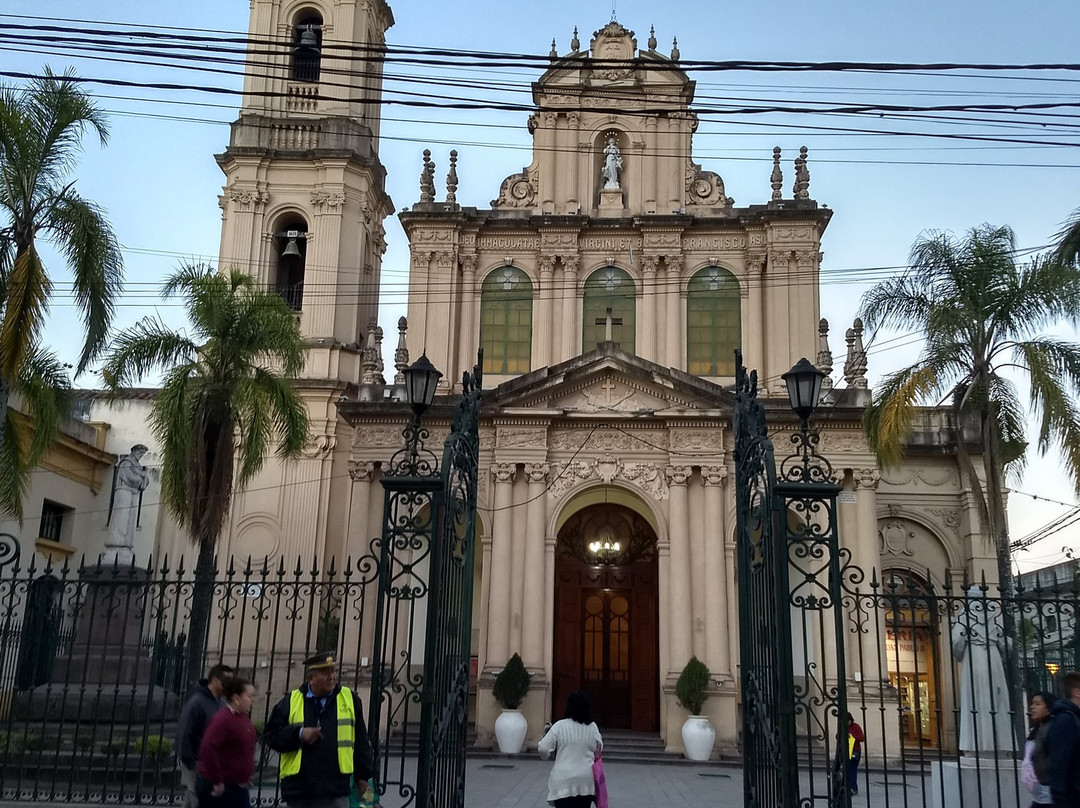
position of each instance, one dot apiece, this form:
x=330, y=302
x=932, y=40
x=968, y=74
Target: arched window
x=609, y=295
x=291, y=242
x=713, y=322
x=307, y=48
x=506, y=301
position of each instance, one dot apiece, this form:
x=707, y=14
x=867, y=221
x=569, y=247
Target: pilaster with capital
x=649, y=321
x=680, y=603
x=499, y=608
x=470, y=304
x=571, y=306
x=755, y=309
x=673, y=316
x=544, y=312
x=716, y=572
x=532, y=638
x=867, y=552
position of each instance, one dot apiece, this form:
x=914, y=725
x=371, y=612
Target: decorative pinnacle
x=452, y=179
x=575, y=43
x=675, y=55
x=777, y=177
x=652, y=37
x=554, y=52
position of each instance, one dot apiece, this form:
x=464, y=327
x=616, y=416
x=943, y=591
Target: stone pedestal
x=611, y=202
x=105, y=675
x=977, y=781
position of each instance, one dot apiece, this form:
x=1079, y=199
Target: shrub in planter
x=512, y=684
x=692, y=686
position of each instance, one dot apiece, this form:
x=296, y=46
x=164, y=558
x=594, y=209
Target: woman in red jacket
x=227, y=753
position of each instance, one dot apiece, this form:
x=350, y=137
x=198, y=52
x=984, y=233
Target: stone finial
x=379, y=378
x=451, y=179
x=777, y=177
x=855, y=365
x=675, y=55
x=369, y=362
x=652, y=37
x=554, y=52
x=427, y=178
x=802, y=176
x=824, y=355
x=401, y=353
x=575, y=43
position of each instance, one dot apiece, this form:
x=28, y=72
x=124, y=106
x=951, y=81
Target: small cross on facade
x=608, y=321
x=608, y=387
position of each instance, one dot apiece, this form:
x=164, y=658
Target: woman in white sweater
x=576, y=742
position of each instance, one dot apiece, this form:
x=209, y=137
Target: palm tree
x=982, y=314
x=41, y=126
x=227, y=397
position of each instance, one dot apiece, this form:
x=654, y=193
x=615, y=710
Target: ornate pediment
x=613, y=44
x=612, y=392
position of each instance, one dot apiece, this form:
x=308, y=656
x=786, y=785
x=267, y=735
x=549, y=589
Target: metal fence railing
x=91, y=667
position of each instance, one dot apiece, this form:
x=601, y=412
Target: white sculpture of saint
x=612, y=165
x=979, y=645
x=130, y=480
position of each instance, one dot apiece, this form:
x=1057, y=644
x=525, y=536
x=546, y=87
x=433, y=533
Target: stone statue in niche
x=130, y=479
x=612, y=165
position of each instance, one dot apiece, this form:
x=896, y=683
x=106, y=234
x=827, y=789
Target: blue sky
x=159, y=182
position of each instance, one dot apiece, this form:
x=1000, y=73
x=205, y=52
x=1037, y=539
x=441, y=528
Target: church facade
x=609, y=284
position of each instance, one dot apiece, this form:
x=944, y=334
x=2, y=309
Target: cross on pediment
x=608, y=387
x=608, y=321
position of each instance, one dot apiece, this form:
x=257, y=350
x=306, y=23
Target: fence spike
x=231, y=570
x=180, y=566
x=299, y=566
x=165, y=564
x=332, y=571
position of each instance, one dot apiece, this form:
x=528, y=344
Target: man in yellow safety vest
x=318, y=729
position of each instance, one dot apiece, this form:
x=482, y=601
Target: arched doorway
x=606, y=635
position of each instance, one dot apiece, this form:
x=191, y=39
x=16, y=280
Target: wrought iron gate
x=425, y=584
x=791, y=624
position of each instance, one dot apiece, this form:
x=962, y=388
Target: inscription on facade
x=716, y=242
x=509, y=243
x=610, y=243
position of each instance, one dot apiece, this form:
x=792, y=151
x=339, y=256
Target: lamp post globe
x=803, y=383
x=421, y=381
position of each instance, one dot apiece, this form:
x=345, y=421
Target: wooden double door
x=606, y=642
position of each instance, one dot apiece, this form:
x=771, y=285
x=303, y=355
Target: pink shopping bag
x=601, y=782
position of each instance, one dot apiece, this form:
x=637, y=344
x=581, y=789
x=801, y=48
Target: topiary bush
x=154, y=747
x=512, y=684
x=692, y=686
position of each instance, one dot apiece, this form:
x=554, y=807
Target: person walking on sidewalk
x=227, y=754
x=576, y=742
x=201, y=706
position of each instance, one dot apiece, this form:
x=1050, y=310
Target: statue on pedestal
x=612, y=165
x=130, y=479
x=979, y=644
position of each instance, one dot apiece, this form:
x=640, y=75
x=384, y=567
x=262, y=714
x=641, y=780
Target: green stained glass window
x=713, y=322
x=506, y=300
x=606, y=289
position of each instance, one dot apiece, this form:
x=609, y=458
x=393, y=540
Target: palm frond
x=28, y=290
x=81, y=231
x=14, y=468
x=1067, y=247
x=146, y=346
x=889, y=417
x=173, y=422
x=45, y=389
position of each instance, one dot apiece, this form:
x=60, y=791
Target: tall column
x=550, y=545
x=542, y=324
x=468, y=334
x=498, y=645
x=716, y=574
x=679, y=603
x=673, y=318
x=532, y=641
x=866, y=554
x=571, y=331
x=358, y=623
x=648, y=323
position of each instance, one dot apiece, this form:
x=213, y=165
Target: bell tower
x=302, y=211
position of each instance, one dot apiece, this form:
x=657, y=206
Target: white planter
x=510, y=731
x=698, y=737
